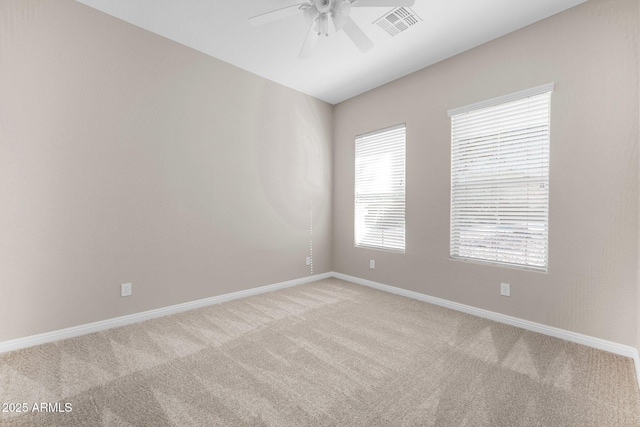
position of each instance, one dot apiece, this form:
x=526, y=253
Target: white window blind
x=500, y=180
x=380, y=189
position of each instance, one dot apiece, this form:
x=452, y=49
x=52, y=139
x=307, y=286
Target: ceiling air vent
x=398, y=20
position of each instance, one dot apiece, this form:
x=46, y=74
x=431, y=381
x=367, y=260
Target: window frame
x=534, y=237
x=396, y=244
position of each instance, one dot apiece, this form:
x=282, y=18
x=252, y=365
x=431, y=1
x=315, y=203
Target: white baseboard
x=88, y=328
x=612, y=347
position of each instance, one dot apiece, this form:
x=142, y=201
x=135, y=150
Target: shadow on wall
x=291, y=149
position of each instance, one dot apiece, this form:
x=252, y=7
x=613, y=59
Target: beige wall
x=125, y=157
x=591, y=53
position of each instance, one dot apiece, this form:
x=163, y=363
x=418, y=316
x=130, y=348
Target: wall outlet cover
x=125, y=289
x=505, y=289
x=372, y=263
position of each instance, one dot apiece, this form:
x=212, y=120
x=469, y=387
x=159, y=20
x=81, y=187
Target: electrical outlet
x=505, y=289
x=308, y=260
x=125, y=289
x=372, y=263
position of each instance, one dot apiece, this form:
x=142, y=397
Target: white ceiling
x=337, y=70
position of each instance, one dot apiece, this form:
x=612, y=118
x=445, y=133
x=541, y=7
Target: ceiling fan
x=318, y=12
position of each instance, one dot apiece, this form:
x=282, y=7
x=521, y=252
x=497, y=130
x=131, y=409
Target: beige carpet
x=329, y=353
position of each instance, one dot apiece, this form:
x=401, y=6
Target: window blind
x=500, y=182
x=380, y=189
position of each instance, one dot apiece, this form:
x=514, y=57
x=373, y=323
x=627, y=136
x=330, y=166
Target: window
x=379, y=189
x=500, y=180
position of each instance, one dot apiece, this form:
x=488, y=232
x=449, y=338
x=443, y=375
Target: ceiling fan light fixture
x=323, y=5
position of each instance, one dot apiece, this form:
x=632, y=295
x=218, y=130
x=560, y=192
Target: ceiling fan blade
x=357, y=36
x=274, y=15
x=383, y=3
x=309, y=42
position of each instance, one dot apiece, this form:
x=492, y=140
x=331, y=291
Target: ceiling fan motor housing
x=323, y=5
